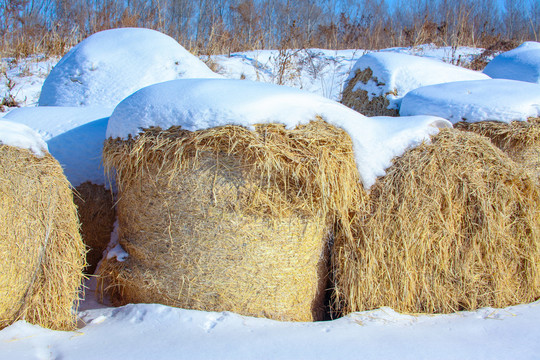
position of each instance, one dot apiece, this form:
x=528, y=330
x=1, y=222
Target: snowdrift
x=110, y=65
x=378, y=81
x=42, y=251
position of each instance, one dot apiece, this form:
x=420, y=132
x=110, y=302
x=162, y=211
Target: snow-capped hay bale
x=110, y=65
x=360, y=100
x=40, y=245
x=473, y=101
x=520, y=140
x=454, y=225
x=379, y=80
x=96, y=213
x=229, y=218
x=521, y=63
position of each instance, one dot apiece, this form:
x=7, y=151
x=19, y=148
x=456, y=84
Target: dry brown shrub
x=454, y=225
x=359, y=100
x=231, y=219
x=40, y=245
x=96, y=213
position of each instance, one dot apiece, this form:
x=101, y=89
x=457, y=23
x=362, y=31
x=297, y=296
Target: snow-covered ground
x=150, y=331
x=161, y=332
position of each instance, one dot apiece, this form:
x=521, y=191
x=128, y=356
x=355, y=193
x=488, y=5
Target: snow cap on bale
x=521, y=63
x=40, y=245
x=21, y=136
x=473, y=101
x=453, y=225
x=110, y=65
x=197, y=104
x=379, y=80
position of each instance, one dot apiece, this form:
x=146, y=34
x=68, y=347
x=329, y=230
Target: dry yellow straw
x=454, y=225
x=231, y=219
x=40, y=245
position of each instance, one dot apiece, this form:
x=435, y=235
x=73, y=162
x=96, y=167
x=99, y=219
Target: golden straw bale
x=518, y=139
x=359, y=100
x=96, y=213
x=453, y=225
x=40, y=245
x=230, y=219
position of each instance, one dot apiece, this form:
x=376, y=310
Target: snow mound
x=473, y=101
x=196, y=104
x=521, y=63
x=395, y=74
x=74, y=136
x=21, y=136
x=110, y=65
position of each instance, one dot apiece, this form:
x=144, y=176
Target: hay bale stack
x=454, y=225
x=379, y=80
x=229, y=219
x=96, y=214
x=40, y=245
x=520, y=140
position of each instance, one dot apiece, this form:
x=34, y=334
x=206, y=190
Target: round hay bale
x=454, y=225
x=520, y=140
x=40, y=245
x=228, y=219
x=110, y=65
x=96, y=215
x=361, y=101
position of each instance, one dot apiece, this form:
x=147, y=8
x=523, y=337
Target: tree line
x=211, y=27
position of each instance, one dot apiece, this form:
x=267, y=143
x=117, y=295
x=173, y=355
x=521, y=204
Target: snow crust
x=521, y=63
x=196, y=104
x=110, y=65
x=21, y=136
x=473, y=101
x=398, y=73
x=74, y=136
x=149, y=331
